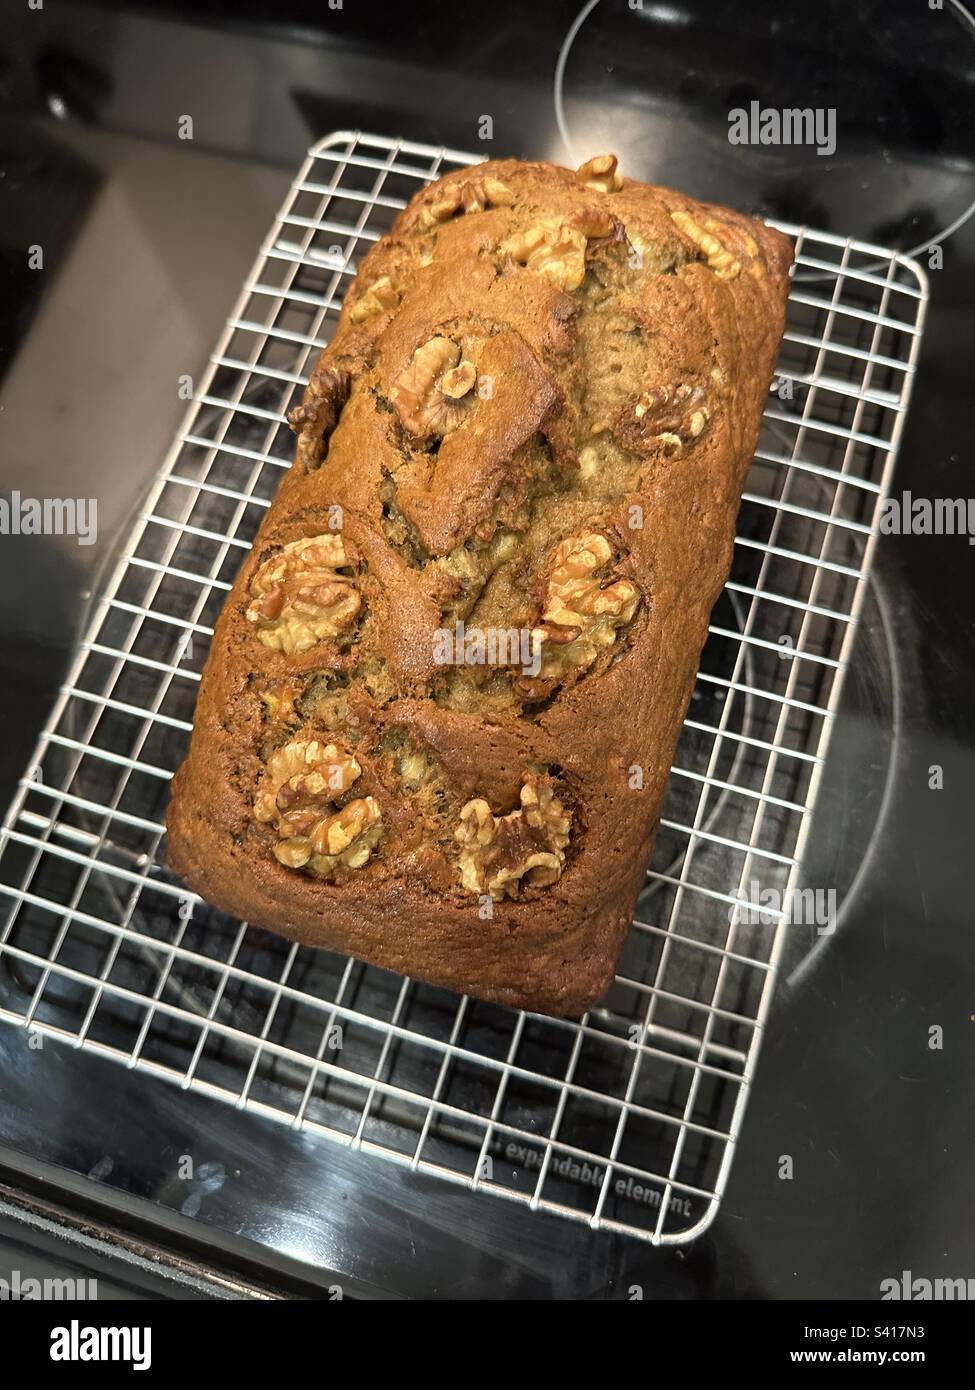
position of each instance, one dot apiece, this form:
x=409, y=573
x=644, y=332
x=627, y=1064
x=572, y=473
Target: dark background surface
x=147, y=239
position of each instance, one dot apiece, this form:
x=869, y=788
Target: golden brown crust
x=536, y=416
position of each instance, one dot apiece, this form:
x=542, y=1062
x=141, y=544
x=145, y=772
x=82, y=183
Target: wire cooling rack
x=628, y=1118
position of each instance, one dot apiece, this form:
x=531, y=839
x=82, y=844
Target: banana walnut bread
x=442, y=699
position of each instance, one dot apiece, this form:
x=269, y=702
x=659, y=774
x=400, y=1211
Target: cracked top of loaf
x=478, y=600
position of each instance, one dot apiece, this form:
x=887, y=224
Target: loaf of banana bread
x=438, y=715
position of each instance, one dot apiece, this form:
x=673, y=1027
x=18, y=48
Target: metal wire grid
x=628, y=1118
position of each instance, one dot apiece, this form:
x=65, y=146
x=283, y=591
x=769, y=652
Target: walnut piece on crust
x=470, y=195
x=300, y=596
x=674, y=415
x=434, y=393
x=556, y=246
x=501, y=855
x=721, y=245
x=300, y=785
x=314, y=420
x=600, y=174
x=583, y=612
x=279, y=699
x=378, y=298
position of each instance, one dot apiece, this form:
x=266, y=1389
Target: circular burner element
x=762, y=112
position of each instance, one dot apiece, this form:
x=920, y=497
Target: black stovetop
x=146, y=240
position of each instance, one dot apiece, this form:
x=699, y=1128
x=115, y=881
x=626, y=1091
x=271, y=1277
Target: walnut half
x=300, y=596
x=672, y=414
x=715, y=241
x=432, y=396
x=556, y=247
x=584, y=609
x=314, y=420
x=501, y=855
x=301, y=784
